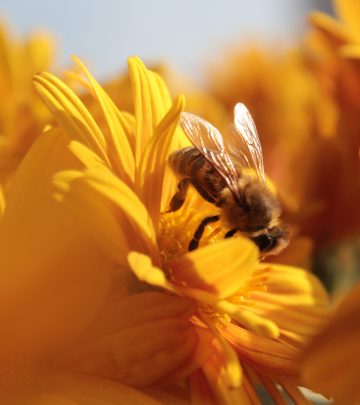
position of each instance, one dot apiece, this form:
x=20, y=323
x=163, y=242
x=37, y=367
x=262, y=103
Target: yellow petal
x=137, y=309
x=145, y=271
x=230, y=360
x=144, y=348
x=202, y=353
x=118, y=148
x=151, y=102
x=221, y=268
x=349, y=12
x=70, y=112
x=294, y=299
x=128, y=123
x=94, y=212
x=217, y=377
x=54, y=278
x=135, y=222
x=295, y=286
x=249, y=319
x=87, y=157
x=267, y=356
x=155, y=157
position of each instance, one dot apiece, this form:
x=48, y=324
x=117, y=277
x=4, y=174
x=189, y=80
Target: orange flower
x=305, y=103
x=332, y=58
x=332, y=361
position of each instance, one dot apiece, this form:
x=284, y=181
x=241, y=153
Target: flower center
x=178, y=228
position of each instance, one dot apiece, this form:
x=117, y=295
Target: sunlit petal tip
x=145, y=271
x=62, y=180
x=135, y=60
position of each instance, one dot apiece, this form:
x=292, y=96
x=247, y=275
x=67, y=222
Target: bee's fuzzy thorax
x=254, y=208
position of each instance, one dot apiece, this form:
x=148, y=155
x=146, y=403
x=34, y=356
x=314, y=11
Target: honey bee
x=229, y=172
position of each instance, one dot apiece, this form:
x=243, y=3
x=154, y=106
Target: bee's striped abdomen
x=186, y=162
x=190, y=163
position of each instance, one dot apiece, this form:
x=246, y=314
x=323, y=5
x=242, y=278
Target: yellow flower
x=242, y=321
x=332, y=361
x=22, y=115
x=57, y=284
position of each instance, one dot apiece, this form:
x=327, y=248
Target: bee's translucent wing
x=243, y=144
x=210, y=143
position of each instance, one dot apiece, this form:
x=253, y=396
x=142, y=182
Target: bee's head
x=271, y=241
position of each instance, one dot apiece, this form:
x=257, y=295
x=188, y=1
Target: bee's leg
x=204, y=194
x=179, y=197
x=194, y=243
x=230, y=233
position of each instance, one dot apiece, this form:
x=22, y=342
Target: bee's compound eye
x=264, y=242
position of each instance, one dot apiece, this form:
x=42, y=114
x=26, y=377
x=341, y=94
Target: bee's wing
x=243, y=144
x=210, y=143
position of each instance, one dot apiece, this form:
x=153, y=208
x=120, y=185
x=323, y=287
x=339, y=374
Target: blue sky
x=187, y=33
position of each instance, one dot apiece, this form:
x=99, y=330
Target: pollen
x=176, y=229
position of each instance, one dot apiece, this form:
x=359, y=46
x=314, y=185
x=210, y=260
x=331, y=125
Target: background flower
x=331, y=362
x=22, y=115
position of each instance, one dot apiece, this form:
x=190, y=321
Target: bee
x=229, y=173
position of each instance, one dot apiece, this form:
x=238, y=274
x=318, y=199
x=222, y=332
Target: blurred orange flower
x=332, y=361
x=22, y=115
x=305, y=104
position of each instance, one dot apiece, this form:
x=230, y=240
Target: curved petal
x=154, y=160
x=151, y=102
x=84, y=189
x=151, y=338
x=94, y=212
x=218, y=380
x=268, y=356
x=54, y=278
x=145, y=271
x=118, y=148
x=294, y=299
x=70, y=112
x=222, y=268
